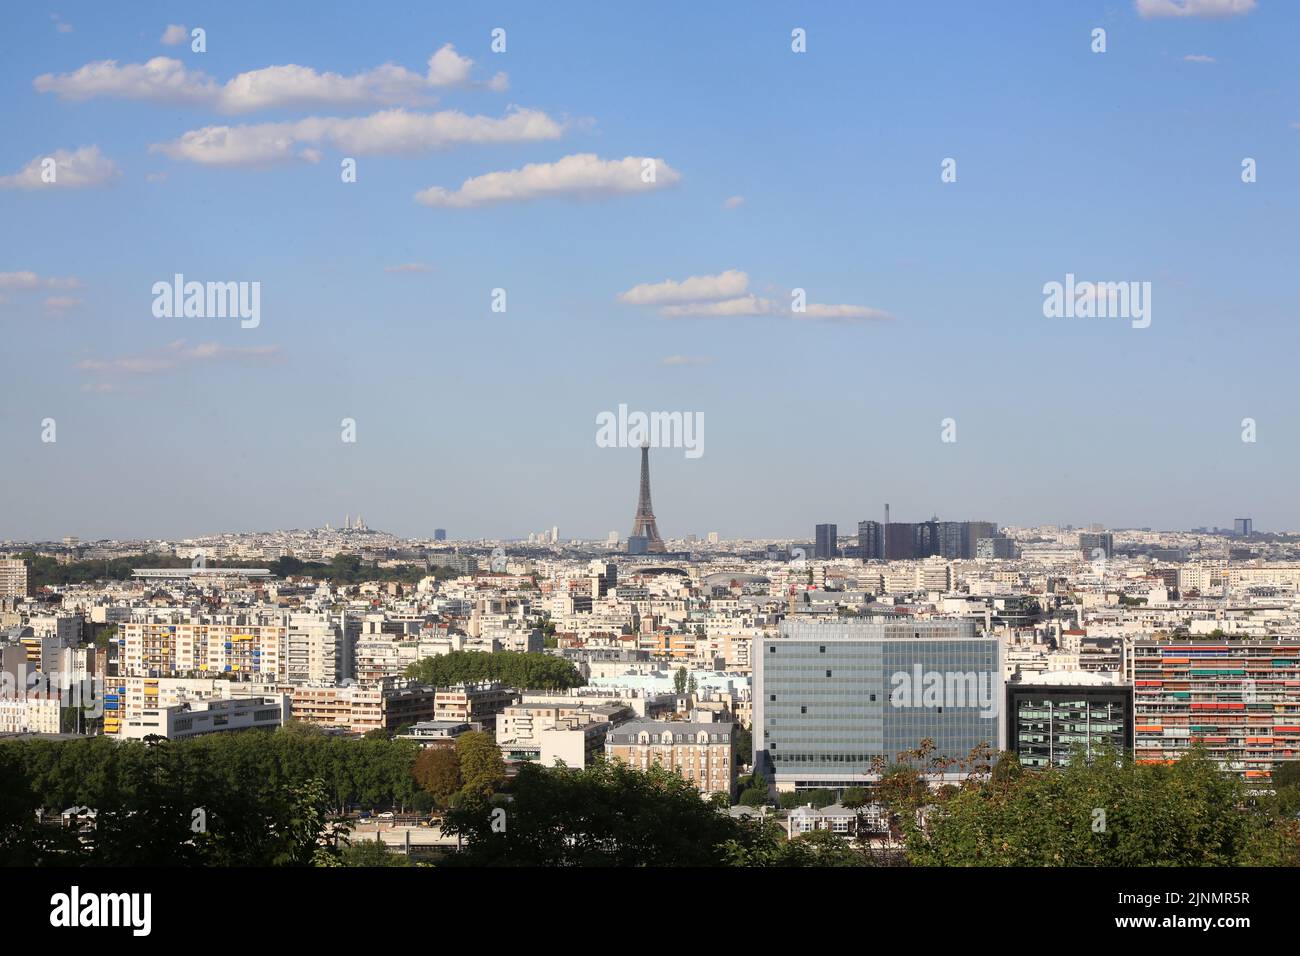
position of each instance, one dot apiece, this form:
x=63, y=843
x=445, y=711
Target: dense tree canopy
x=512, y=668
x=1100, y=811
x=606, y=815
x=248, y=798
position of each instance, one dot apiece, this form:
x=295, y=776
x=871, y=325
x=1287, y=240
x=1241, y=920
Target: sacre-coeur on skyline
x=832, y=240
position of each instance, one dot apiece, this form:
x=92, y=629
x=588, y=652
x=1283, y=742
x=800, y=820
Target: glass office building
x=1049, y=722
x=831, y=696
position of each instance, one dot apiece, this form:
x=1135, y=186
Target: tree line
x=525, y=671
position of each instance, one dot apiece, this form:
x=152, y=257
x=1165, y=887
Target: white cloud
x=1161, y=9
x=166, y=80
x=177, y=355
x=742, y=305
x=580, y=176
x=385, y=133
x=174, y=35
x=60, y=305
x=1198, y=58
x=748, y=305
x=60, y=24
x=78, y=169
x=724, y=285
x=842, y=313
x=160, y=80
x=683, y=360
x=30, y=280
x=733, y=202
x=724, y=296
x=409, y=267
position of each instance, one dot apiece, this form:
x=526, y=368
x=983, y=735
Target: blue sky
x=1117, y=166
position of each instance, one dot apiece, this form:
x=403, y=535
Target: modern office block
x=830, y=697
x=1054, y=715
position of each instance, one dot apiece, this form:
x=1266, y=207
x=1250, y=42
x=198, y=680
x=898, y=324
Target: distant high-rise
x=439, y=534
x=1094, y=545
x=13, y=578
x=871, y=540
x=1243, y=527
x=643, y=525
x=825, y=540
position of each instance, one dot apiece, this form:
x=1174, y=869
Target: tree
x=742, y=745
x=482, y=768
x=437, y=770
x=679, y=681
x=528, y=671
x=1286, y=774
x=1100, y=810
x=373, y=853
x=608, y=814
x=855, y=797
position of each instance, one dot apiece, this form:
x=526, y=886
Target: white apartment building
x=31, y=715
x=319, y=650
x=140, y=695
x=182, y=644
x=13, y=578
x=194, y=718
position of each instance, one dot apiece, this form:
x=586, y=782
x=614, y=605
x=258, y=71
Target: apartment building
x=198, y=717
x=180, y=644
x=131, y=697
x=387, y=706
x=474, y=703
x=698, y=752
x=29, y=715
x=1239, y=699
x=13, y=578
x=319, y=649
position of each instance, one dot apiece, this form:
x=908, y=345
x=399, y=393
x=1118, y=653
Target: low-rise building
x=195, y=718
x=700, y=753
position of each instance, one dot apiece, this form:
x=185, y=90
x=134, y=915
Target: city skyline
x=777, y=171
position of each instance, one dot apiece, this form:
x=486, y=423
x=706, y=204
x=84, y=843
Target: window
x=828, y=673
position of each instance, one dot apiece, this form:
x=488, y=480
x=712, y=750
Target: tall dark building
x=1243, y=527
x=976, y=530
x=643, y=525
x=871, y=540
x=954, y=539
x=926, y=534
x=900, y=541
x=1048, y=722
x=439, y=534
x=824, y=545
x=1095, y=544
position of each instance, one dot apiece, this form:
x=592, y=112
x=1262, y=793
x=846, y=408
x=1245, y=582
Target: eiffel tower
x=644, y=523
